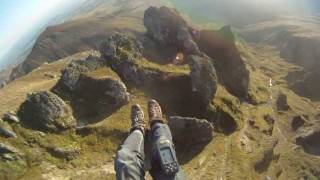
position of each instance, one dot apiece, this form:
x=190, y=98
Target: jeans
x=129, y=162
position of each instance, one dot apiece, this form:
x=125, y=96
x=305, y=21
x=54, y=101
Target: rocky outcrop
x=73, y=71
x=6, y=130
x=230, y=67
x=93, y=88
x=305, y=83
x=168, y=28
x=297, y=122
x=10, y=117
x=308, y=138
x=190, y=131
x=9, y=153
x=124, y=55
x=203, y=77
x=282, y=102
x=68, y=153
x=46, y=111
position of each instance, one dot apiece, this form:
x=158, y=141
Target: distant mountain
x=86, y=23
x=85, y=28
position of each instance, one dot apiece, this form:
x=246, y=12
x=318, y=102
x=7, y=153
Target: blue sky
x=18, y=17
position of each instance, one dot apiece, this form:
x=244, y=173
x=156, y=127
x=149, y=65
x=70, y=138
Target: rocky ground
x=229, y=100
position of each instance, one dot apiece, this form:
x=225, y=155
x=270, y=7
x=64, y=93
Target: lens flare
x=179, y=59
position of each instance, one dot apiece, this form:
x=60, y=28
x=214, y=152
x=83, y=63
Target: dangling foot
x=155, y=113
x=137, y=119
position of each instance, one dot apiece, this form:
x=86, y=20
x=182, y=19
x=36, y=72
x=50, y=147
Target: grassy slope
x=222, y=158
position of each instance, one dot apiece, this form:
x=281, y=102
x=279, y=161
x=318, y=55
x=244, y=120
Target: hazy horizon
x=22, y=21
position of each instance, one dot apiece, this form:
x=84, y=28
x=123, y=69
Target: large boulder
x=231, y=69
x=46, y=111
x=308, y=138
x=282, y=102
x=190, y=131
x=203, y=77
x=167, y=27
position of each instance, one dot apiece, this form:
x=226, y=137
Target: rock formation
x=282, y=102
x=305, y=83
x=10, y=117
x=9, y=153
x=6, y=130
x=168, y=28
x=190, y=131
x=68, y=153
x=89, y=84
x=297, y=122
x=230, y=67
x=203, y=77
x=46, y=111
x=124, y=55
x=72, y=72
x=308, y=138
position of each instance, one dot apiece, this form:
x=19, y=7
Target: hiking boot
x=137, y=119
x=155, y=113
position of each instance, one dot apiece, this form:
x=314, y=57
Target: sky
x=18, y=17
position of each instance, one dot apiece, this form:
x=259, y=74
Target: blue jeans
x=129, y=162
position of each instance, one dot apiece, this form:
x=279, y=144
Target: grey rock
x=6, y=130
x=167, y=27
x=72, y=73
x=8, y=157
x=305, y=83
x=190, y=131
x=308, y=138
x=9, y=153
x=7, y=149
x=10, y=117
x=118, y=47
x=226, y=32
x=231, y=68
x=46, y=111
x=203, y=77
x=122, y=53
x=297, y=122
x=68, y=153
x=282, y=102
x=107, y=90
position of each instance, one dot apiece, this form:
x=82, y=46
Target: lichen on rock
x=46, y=111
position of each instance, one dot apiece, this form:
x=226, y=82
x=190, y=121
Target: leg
x=129, y=162
x=159, y=130
x=130, y=158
